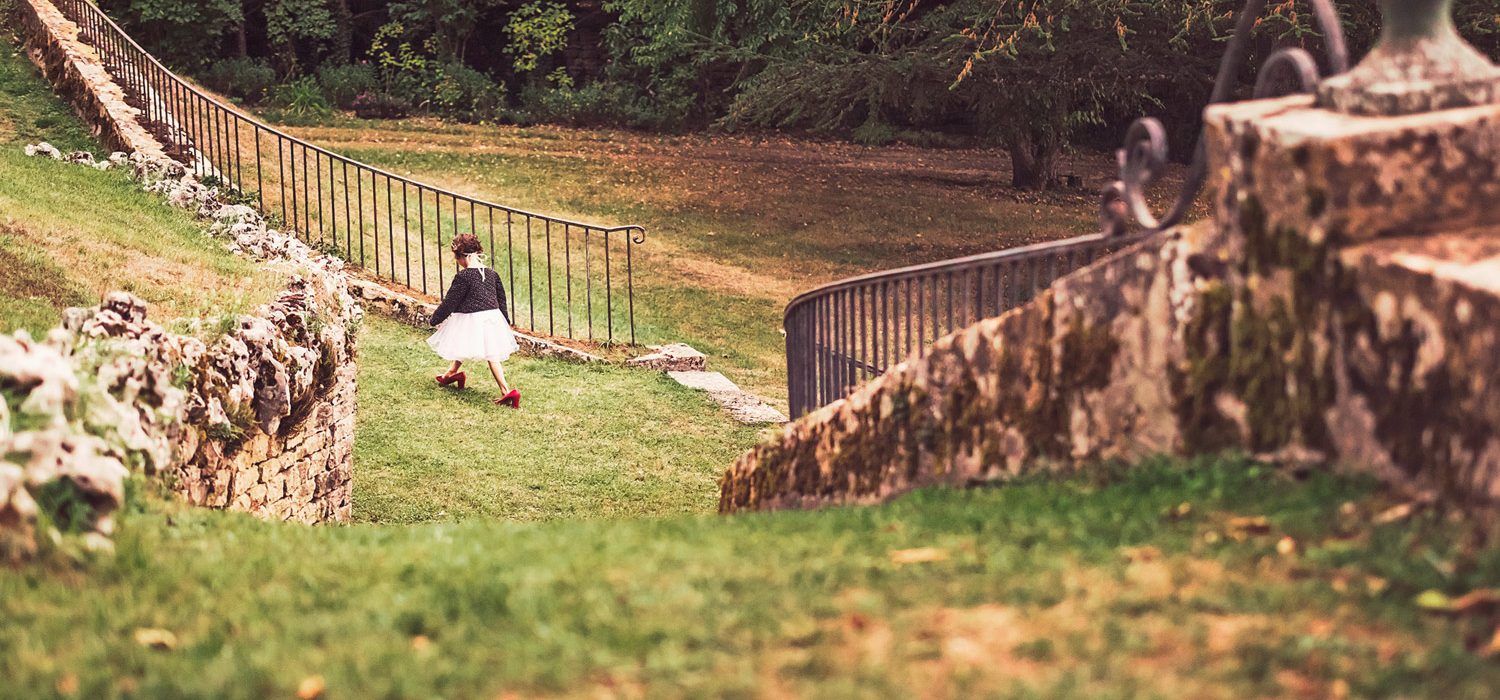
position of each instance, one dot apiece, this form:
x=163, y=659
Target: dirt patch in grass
x=29, y=274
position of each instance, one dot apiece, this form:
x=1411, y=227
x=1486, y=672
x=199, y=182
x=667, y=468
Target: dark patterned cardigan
x=474, y=289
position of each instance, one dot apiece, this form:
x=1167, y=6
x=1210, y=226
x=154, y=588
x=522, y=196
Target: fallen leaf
x=421, y=642
x=1376, y=585
x=1252, y=525
x=158, y=639
x=311, y=687
x=67, y=684
x=1394, y=513
x=919, y=555
x=1493, y=648
x=1431, y=600
x=1437, y=601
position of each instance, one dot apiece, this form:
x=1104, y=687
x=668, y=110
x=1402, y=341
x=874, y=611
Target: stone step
x=743, y=406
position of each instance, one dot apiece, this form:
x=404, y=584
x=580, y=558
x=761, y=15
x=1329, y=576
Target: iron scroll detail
x=1144, y=156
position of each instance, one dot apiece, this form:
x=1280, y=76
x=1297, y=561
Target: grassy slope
x=591, y=442
x=68, y=234
x=1045, y=589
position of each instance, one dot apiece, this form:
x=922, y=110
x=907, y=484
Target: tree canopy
x=1031, y=75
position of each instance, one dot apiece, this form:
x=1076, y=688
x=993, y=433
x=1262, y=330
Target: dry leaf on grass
x=158, y=639
x=1492, y=649
x=1242, y=528
x=920, y=555
x=1439, y=602
x=1394, y=513
x=311, y=687
x=1250, y=525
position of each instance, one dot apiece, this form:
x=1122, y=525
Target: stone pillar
x=1364, y=227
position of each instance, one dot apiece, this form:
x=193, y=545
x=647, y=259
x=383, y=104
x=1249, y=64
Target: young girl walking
x=471, y=322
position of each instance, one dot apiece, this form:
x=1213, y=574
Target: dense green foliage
x=1033, y=75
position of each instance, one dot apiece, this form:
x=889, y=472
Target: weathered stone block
x=676, y=357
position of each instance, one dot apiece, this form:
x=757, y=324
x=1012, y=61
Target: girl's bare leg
x=499, y=373
x=453, y=370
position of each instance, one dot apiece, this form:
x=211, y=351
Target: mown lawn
x=69, y=234
x=1140, y=584
x=590, y=442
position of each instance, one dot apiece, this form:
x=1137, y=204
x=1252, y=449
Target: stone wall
x=256, y=416
x=301, y=474
x=75, y=72
x=1342, y=309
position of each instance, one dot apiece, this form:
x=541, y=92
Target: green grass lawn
x=68, y=234
x=1050, y=588
x=590, y=442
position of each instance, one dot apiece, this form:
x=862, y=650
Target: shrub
x=344, y=83
x=302, y=97
x=460, y=92
x=380, y=105
x=246, y=79
x=595, y=104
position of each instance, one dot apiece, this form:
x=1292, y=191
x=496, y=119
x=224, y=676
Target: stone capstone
x=1415, y=69
x=1289, y=166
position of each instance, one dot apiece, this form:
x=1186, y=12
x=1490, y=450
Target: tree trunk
x=241, y=43
x=343, y=38
x=1033, y=161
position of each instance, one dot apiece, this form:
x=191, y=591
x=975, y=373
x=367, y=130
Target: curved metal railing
x=565, y=277
x=846, y=333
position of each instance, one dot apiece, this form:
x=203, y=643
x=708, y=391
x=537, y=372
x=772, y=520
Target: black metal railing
x=565, y=277
x=846, y=333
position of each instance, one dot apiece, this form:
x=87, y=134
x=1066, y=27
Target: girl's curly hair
x=466, y=244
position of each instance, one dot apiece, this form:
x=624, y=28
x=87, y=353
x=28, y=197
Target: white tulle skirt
x=480, y=336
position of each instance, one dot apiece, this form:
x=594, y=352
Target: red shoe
x=460, y=379
x=513, y=399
